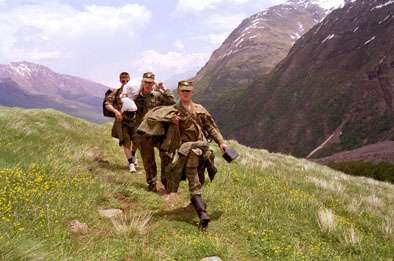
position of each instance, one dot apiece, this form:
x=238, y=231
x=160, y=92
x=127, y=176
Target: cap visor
x=185, y=88
x=148, y=80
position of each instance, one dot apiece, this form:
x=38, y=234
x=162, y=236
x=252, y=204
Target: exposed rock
x=211, y=258
x=77, y=227
x=110, y=213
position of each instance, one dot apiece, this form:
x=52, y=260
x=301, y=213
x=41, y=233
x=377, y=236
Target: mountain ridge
x=334, y=88
x=254, y=48
x=37, y=86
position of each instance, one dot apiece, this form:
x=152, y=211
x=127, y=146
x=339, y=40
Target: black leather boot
x=199, y=205
x=152, y=187
x=164, y=182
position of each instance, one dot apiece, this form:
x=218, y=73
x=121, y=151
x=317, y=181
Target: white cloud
x=215, y=38
x=37, y=55
x=170, y=63
x=98, y=41
x=83, y=38
x=179, y=44
x=224, y=22
x=196, y=5
x=54, y=18
x=201, y=5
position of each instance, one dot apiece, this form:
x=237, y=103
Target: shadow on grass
x=185, y=214
x=105, y=164
x=139, y=185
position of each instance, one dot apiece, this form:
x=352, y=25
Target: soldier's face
x=124, y=79
x=148, y=86
x=185, y=96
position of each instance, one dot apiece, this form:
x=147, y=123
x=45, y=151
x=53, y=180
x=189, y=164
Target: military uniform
x=145, y=102
x=192, y=126
x=124, y=130
x=188, y=138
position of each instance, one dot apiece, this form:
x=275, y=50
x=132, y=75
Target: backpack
x=106, y=112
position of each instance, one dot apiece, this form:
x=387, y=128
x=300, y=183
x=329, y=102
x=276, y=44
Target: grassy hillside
x=54, y=169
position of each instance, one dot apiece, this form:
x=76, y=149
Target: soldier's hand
x=223, y=147
x=176, y=119
x=161, y=86
x=118, y=115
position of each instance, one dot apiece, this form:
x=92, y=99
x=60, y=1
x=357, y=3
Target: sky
x=97, y=39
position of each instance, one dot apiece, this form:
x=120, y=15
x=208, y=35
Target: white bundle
x=128, y=103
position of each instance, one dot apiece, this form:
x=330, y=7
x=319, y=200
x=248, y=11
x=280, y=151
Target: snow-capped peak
x=21, y=68
x=24, y=68
x=324, y=4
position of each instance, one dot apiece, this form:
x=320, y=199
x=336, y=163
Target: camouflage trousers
x=193, y=170
x=124, y=131
x=147, y=149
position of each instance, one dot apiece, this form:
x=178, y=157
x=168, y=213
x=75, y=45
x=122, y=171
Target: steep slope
x=43, y=88
x=374, y=160
x=379, y=152
x=255, y=47
x=333, y=92
x=56, y=168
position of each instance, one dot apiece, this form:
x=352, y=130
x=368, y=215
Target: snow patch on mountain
x=385, y=19
x=21, y=69
x=370, y=40
x=328, y=38
x=383, y=5
x=295, y=36
x=300, y=27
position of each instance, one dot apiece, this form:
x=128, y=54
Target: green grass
x=54, y=169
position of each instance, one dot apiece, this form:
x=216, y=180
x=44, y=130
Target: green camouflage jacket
x=183, y=138
x=146, y=102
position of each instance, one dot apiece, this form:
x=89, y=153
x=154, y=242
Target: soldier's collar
x=182, y=108
x=146, y=94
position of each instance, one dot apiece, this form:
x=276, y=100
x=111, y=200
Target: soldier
x=184, y=130
x=124, y=124
x=152, y=95
x=193, y=120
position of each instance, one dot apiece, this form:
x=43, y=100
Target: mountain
x=333, y=92
x=256, y=46
x=30, y=85
x=275, y=207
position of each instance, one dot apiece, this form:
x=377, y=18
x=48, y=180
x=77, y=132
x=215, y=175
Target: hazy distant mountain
x=172, y=82
x=30, y=85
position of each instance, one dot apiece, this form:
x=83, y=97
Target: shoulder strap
x=192, y=118
x=117, y=91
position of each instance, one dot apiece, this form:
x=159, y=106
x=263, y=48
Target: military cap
x=185, y=85
x=148, y=77
x=124, y=74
